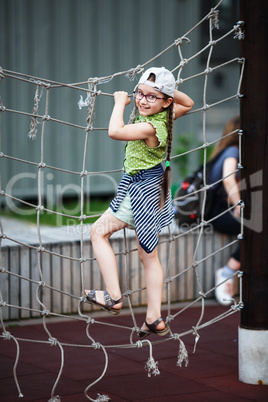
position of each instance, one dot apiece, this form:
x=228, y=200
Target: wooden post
x=253, y=331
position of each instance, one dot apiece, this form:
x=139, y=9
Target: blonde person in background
x=227, y=193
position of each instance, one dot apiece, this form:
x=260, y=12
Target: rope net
x=39, y=122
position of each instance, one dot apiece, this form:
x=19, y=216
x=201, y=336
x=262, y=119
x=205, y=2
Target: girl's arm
x=182, y=104
x=230, y=183
x=118, y=130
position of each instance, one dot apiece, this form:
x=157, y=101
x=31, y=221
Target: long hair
x=167, y=174
x=134, y=114
x=233, y=139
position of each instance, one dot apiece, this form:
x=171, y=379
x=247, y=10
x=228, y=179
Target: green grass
x=72, y=208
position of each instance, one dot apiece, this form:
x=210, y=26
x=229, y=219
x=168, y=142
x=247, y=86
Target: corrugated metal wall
x=70, y=41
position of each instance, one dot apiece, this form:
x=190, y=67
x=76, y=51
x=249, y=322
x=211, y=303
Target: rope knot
x=90, y=320
x=212, y=43
x=45, y=312
x=239, y=33
x=169, y=318
x=139, y=344
x=6, y=335
x=96, y=345
x=240, y=305
x=194, y=330
x=135, y=329
x=214, y=15
x=171, y=239
x=96, y=92
x=179, y=41
x=236, y=306
x=53, y=341
x=131, y=74
x=46, y=85
x=183, y=62
x=176, y=337
x=89, y=127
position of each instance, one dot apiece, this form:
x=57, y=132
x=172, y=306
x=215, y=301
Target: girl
x=143, y=199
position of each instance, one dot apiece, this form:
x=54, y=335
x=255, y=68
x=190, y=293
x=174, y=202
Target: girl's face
x=147, y=108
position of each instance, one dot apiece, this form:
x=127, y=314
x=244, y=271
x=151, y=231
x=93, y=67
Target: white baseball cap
x=164, y=80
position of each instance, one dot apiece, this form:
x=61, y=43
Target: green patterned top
x=138, y=155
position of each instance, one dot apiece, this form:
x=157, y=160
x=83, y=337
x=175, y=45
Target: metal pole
x=253, y=331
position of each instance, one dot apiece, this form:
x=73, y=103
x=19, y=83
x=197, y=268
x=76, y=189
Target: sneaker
x=224, y=292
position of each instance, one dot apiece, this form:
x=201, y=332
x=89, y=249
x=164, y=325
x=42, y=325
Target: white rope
x=88, y=100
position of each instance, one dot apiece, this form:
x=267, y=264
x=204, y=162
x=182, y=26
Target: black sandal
x=152, y=329
x=109, y=302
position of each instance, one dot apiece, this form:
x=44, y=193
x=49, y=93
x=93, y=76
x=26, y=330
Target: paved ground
x=212, y=373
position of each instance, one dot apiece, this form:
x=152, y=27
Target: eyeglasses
x=151, y=98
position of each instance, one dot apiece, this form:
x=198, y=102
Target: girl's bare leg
x=100, y=234
x=154, y=284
